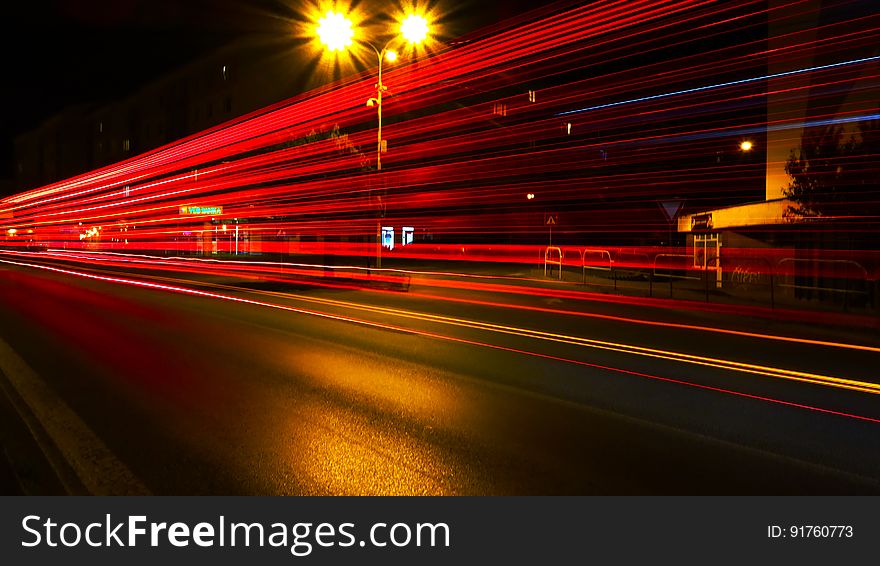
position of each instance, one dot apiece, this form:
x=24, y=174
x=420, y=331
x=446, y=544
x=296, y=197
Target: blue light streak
x=752, y=130
x=721, y=85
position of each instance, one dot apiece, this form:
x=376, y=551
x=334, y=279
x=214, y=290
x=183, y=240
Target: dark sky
x=59, y=53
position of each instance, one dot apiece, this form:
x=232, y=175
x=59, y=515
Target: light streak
x=778, y=373
x=659, y=107
x=723, y=85
x=472, y=282
x=155, y=261
x=152, y=261
x=855, y=385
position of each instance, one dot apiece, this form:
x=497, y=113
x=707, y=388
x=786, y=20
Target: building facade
x=232, y=81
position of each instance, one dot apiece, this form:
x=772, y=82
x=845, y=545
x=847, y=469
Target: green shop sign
x=202, y=210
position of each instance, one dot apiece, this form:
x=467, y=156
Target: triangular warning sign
x=551, y=219
x=671, y=208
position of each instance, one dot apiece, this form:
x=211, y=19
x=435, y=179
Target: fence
x=744, y=277
x=597, y=261
x=548, y=259
x=687, y=263
x=826, y=272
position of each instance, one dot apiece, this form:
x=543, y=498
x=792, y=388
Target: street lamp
x=335, y=31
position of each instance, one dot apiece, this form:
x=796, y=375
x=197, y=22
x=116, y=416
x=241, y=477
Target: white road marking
x=97, y=468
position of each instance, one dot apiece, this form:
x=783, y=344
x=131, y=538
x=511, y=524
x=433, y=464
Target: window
x=126, y=144
x=499, y=109
x=532, y=96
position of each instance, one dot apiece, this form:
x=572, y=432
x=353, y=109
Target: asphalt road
x=302, y=390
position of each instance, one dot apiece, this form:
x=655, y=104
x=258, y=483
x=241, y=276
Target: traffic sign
x=671, y=208
x=551, y=218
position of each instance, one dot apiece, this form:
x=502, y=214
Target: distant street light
x=746, y=146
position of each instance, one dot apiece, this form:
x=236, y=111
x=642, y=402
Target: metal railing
x=626, y=261
x=738, y=272
x=688, y=265
x=816, y=273
x=603, y=256
x=548, y=259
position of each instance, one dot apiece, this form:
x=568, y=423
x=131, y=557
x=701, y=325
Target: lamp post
x=377, y=101
x=336, y=33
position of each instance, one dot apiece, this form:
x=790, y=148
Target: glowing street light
x=335, y=31
x=746, y=146
x=414, y=28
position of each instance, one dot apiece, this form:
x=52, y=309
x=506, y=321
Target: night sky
x=60, y=53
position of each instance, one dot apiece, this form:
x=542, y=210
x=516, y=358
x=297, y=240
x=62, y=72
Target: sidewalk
x=661, y=291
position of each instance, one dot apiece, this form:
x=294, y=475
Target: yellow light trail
x=767, y=371
x=730, y=365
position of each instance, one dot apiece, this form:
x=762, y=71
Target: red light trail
x=599, y=113
x=827, y=381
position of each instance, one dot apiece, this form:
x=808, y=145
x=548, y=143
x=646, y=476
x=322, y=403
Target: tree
x=833, y=178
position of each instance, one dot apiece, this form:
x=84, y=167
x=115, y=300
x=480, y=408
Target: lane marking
x=793, y=375
x=95, y=465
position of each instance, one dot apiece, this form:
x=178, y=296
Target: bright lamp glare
x=335, y=31
x=391, y=56
x=414, y=28
x=746, y=146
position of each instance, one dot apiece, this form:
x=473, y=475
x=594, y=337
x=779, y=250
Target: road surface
x=219, y=388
